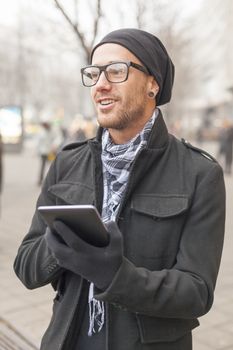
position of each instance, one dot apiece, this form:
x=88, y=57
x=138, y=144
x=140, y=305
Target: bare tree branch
x=96, y=22
x=140, y=10
x=76, y=29
x=76, y=12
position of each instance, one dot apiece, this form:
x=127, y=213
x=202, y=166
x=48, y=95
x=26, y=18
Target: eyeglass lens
x=114, y=72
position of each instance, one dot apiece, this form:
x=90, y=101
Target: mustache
x=108, y=96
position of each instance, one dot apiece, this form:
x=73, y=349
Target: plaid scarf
x=117, y=161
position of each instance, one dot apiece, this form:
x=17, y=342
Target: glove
x=96, y=264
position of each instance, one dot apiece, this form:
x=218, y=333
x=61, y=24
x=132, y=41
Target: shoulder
x=74, y=145
x=71, y=153
x=194, y=162
x=198, y=151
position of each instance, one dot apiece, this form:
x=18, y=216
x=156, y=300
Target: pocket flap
x=153, y=329
x=73, y=193
x=160, y=205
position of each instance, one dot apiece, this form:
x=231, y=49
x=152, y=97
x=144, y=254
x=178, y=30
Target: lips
x=105, y=100
x=106, y=103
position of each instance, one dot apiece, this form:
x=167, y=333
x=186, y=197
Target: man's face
x=121, y=106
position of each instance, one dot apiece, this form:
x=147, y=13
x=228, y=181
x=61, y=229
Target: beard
x=130, y=113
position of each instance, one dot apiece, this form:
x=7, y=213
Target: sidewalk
x=29, y=311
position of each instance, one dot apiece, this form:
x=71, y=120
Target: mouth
x=106, y=103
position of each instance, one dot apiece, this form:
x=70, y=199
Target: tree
x=74, y=23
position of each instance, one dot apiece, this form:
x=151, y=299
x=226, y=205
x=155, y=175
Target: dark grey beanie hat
x=152, y=54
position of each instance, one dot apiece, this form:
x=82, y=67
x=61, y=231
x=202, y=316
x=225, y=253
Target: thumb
x=114, y=232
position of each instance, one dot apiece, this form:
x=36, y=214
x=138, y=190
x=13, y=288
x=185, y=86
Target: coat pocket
x=72, y=193
x=157, y=224
x=154, y=330
x=160, y=206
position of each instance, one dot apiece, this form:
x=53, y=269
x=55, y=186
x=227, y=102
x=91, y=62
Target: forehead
x=107, y=53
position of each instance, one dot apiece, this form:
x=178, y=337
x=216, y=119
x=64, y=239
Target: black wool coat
x=172, y=221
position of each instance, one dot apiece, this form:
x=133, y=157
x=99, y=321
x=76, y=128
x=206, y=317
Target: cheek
x=137, y=86
x=92, y=93
x=137, y=94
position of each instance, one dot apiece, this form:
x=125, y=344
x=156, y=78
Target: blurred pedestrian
x=79, y=135
x=225, y=152
x=163, y=202
x=45, y=148
x=200, y=135
x=77, y=129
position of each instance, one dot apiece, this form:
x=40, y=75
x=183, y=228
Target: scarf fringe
x=96, y=313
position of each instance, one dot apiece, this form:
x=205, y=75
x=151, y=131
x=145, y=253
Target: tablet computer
x=82, y=219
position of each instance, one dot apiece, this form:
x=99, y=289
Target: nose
x=102, y=83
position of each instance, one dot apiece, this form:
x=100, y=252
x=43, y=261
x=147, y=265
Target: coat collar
x=156, y=146
x=159, y=134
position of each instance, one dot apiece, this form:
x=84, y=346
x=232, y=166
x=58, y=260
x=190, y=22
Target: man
x=163, y=202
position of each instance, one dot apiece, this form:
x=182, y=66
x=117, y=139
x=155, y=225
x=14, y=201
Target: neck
x=121, y=136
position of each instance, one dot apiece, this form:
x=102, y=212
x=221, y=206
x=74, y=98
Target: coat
x=172, y=222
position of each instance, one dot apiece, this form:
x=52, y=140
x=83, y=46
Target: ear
x=153, y=86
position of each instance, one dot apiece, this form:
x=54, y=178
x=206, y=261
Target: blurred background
x=43, y=105
x=45, y=42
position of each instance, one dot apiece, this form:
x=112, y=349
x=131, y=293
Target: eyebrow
x=109, y=62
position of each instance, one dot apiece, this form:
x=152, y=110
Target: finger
x=55, y=245
x=111, y=226
x=114, y=232
x=71, y=238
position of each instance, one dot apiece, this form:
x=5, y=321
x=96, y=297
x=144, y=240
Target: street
x=29, y=311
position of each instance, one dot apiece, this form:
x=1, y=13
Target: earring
x=151, y=94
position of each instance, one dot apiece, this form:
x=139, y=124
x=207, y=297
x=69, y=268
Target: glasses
x=116, y=72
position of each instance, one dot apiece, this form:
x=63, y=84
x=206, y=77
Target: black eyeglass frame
x=104, y=67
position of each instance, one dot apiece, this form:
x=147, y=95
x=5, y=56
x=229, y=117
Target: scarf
x=117, y=161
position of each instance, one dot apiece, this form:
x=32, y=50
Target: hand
x=96, y=264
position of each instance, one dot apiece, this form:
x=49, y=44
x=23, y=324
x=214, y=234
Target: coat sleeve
x=34, y=264
x=186, y=290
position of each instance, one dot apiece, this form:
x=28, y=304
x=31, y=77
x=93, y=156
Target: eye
x=94, y=73
x=87, y=74
x=117, y=69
